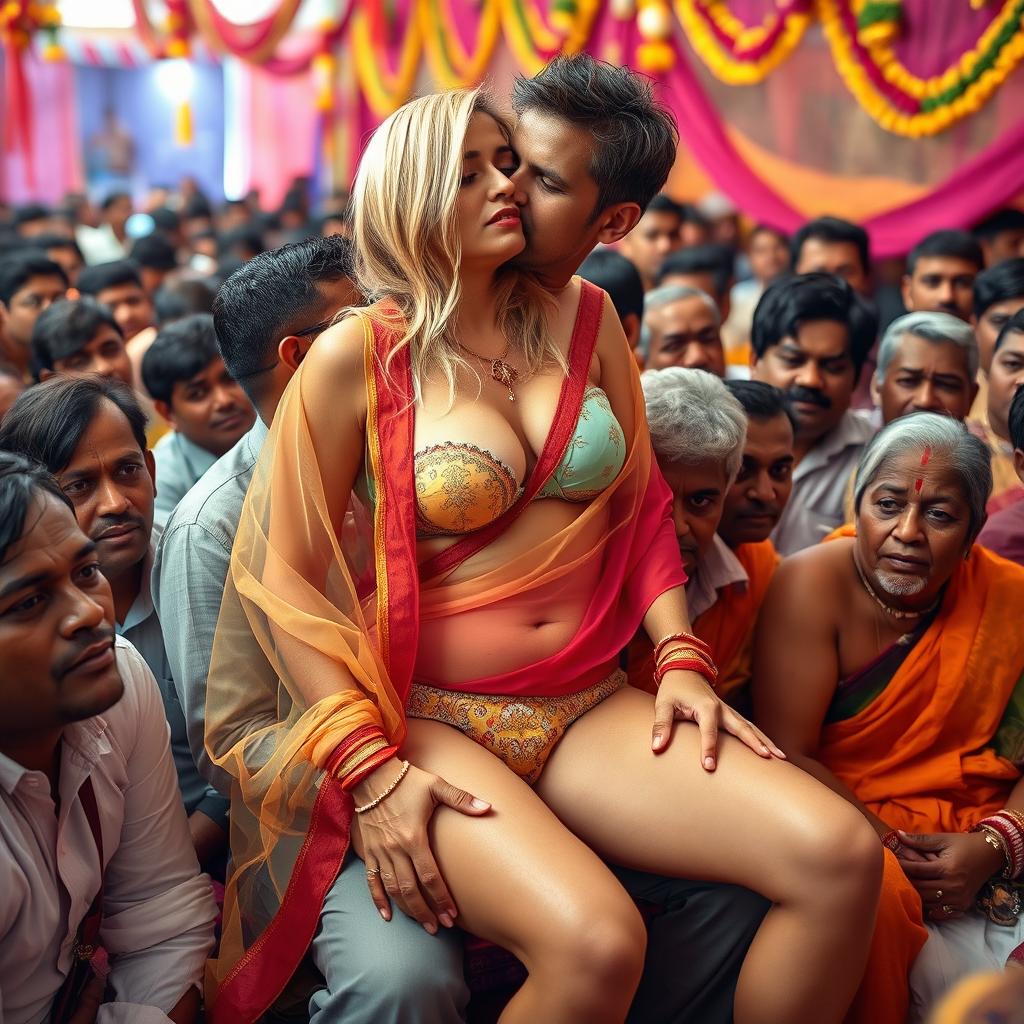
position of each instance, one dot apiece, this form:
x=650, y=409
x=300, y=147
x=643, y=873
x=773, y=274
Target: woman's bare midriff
x=523, y=628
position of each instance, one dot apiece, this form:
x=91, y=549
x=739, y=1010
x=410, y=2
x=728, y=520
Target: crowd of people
x=508, y=592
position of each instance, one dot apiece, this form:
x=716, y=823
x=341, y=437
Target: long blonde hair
x=407, y=245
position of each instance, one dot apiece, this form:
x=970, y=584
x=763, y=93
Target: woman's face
x=490, y=228
x=913, y=528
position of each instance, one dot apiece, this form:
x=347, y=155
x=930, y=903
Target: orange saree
x=319, y=631
x=939, y=748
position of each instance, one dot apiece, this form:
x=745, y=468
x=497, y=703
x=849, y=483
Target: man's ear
x=292, y=350
x=617, y=222
x=876, y=391
x=631, y=327
x=147, y=457
x=905, y=290
x=164, y=408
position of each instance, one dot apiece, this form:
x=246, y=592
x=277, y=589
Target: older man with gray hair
x=682, y=327
x=927, y=362
x=698, y=429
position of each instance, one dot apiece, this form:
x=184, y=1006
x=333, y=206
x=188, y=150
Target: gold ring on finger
x=947, y=909
x=386, y=876
x=938, y=895
x=372, y=872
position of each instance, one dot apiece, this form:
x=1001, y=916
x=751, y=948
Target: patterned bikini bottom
x=522, y=731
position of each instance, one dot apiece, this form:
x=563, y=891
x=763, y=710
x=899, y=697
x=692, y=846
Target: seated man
x=752, y=508
x=193, y=390
x=119, y=286
x=830, y=245
x=940, y=275
x=94, y=850
x=698, y=430
x=927, y=362
x=810, y=337
x=1004, y=531
x=889, y=662
x=1005, y=376
x=682, y=328
x=654, y=237
x=90, y=434
x=77, y=337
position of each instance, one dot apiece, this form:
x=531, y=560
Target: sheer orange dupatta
x=329, y=604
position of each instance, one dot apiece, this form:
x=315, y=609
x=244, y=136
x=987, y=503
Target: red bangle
x=368, y=767
x=891, y=841
x=686, y=665
x=686, y=639
x=688, y=652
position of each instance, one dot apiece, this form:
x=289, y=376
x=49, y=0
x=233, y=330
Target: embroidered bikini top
x=461, y=487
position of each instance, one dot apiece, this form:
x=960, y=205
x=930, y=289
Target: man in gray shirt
x=90, y=433
x=810, y=337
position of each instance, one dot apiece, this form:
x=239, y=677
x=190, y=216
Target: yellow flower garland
x=385, y=91
x=450, y=64
x=722, y=65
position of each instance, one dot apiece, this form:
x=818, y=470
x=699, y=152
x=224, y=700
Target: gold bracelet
x=997, y=842
x=387, y=792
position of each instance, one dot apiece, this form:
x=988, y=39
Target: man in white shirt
x=810, y=338
x=90, y=816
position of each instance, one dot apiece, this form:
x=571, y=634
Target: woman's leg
x=762, y=824
x=521, y=879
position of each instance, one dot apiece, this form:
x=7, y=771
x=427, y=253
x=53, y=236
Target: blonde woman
x=455, y=526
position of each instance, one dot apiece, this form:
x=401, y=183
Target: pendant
x=505, y=375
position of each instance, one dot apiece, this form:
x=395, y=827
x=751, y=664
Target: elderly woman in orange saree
x=455, y=526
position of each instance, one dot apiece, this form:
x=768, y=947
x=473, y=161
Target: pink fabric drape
x=989, y=180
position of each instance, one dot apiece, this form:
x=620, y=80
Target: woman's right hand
x=393, y=842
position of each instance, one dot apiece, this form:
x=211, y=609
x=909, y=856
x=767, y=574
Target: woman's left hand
x=686, y=696
x=958, y=865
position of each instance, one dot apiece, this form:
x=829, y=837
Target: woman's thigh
x=518, y=876
x=750, y=822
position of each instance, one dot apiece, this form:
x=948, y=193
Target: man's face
x=654, y=237
x=131, y=307
x=685, y=333
x=926, y=376
x=105, y=354
x=758, y=496
x=841, y=259
x=1005, y=376
x=697, y=495
x=35, y=295
x=10, y=389
x=941, y=284
x=561, y=196
x=1005, y=246
x=768, y=256
x=68, y=260
x=110, y=481
x=211, y=409
x=56, y=627
x=816, y=371
x=990, y=323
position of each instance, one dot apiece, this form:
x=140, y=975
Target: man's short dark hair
x=769, y=229
x=180, y=351
x=273, y=295
x=832, y=229
x=1016, y=420
x=19, y=268
x=22, y=481
x=663, y=203
x=953, y=244
x=112, y=198
x=166, y=221
x=154, y=251
x=244, y=237
x=98, y=278
x=183, y=298
x=689, y=213
x=635, y=137
x=1015, y=325
x=713, y=259
x=65, y=328
x=611, y=271
x=29, y=213
x=47, y=422
x=762, y=402
x=996, y=284
x=1007, y=219
x=197, y=206
x=49, y=241
x=800, y=298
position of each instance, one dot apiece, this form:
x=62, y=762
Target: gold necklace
x=896, y=613
x=501, y=372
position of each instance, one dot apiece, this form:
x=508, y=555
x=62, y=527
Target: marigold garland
x=385, y=90
x=450, y=64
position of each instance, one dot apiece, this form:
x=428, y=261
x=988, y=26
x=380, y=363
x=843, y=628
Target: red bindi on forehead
x=926, y=457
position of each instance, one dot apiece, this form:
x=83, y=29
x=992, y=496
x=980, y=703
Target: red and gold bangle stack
x=1007, y=828
x=361, y=754
x=684, y=652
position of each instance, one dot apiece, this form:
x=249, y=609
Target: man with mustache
x=193, y=390
x=940, y=275
x=810, y=337
x=94, y=849
x=90, y=433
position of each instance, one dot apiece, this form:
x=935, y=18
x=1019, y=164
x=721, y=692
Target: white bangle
x=387, y=792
